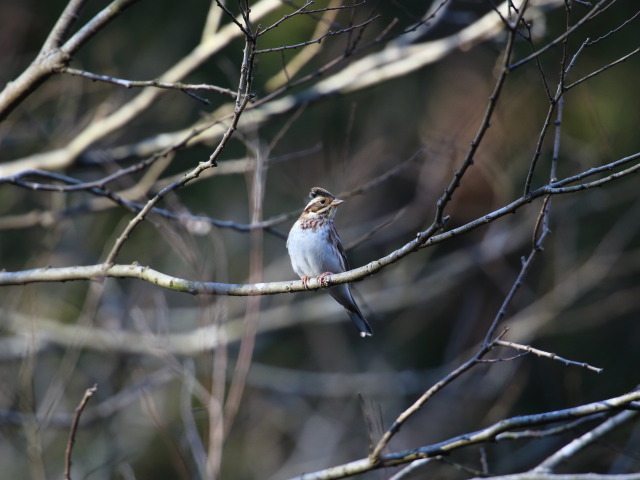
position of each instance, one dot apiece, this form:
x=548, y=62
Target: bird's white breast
x=311, y=253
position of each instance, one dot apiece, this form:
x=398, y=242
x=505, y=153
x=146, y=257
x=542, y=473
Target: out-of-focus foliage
x=316, y=394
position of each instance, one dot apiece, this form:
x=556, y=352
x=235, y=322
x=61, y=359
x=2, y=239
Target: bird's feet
x=322, y=277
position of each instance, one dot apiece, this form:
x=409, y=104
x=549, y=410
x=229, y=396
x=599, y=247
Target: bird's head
x=322, y=203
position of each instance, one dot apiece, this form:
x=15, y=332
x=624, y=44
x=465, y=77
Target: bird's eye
x=323, y=201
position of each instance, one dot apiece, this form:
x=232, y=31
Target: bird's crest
x=320, y=192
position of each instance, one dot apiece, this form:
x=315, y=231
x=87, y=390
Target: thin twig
x=592, y=13
x=383, y=177
x=538, y=149
x=484, y=124
x=234, y=19
x=490, y=339
x=286, y=17
x=603, y=69
x=615, y=30
x=548, y=432
x=374, y=231
x=97, y=187
x=242, y=100
x=74, y=428
x=146, y=83
x=328, y=33
x=556, y=103
x=53, y=56
x=99, y=128
x=542, y=353
x=364, y=72
x=580, y=443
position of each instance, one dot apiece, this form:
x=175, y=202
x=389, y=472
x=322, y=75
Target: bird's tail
x=361, y=323
x=342, y=293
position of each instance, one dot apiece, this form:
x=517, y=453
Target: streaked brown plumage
x=316, y=250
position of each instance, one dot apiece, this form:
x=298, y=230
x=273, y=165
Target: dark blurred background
x=316, y=394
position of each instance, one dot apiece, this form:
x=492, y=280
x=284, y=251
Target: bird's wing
x=334, y=238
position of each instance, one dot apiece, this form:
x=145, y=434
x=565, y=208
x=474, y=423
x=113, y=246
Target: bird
x=315, y=250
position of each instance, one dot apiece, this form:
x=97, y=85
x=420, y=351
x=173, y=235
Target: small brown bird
x=316, y=250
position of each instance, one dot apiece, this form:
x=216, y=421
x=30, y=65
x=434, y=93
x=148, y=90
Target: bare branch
x=542, y=353
x=583, y=441
x=277, y=23
x=564, y=428
x=390, y=63
x=615, y=30
x=64, y=24
x=233, y=18
x=603, y=69
x=52, y=58
x=74, y=428
x=485, y=435
x=97, y=23
x=561, y=38
x=242, y=100
x=423, y=239
x=60, y=158
x=328, y=33
x=146, y=83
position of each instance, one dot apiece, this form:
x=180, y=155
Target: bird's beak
x=336, y=202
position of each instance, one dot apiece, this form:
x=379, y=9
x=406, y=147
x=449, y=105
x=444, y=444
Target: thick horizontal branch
x=99, y=272
x=423, y=239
